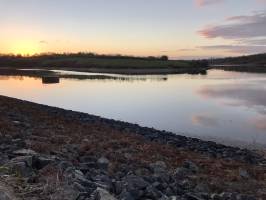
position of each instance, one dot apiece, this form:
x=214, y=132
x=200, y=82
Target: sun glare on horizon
x=25, y=48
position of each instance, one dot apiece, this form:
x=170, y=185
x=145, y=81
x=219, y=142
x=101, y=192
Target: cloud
x=187, y=49
x=201, y=3
x=238, y=27
x=242, y=49
x=257, y=41
x=247, y=33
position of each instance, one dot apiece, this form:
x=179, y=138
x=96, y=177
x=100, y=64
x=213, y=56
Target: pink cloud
x=201, y=3
x=249, y=26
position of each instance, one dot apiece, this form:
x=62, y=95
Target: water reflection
x=217, y=105
x=205, y=120
x=50, y=80
x=48, y=76
x=259, y=123
x=247, y=95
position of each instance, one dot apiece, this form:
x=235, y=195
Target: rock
x=79, y=176
x=191, y=166
x=152, y=192
x=158, y=167
x=63, y=165
x=135, y=182
x=126, y=196
x=4, y=195
x=41, y=162
x=142, y=172
x=128, y=156
x=186, y=184
x=66, y=192
x=245, y=197
x=217, y=197
x=24, y=152
x=181, y=172
x=20, y=169
x=27, y=159
x=193, y=197
x=101, y=194
x=86, y=159
x=79, y=187
x=243, y=173
x=118, y=187
x=103, y=181
x=224, y=196
x=103, y=163
x=202, y=187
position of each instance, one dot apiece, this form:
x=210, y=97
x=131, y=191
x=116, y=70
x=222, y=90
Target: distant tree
x=164, y=58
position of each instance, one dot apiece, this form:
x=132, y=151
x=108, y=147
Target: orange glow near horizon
x=24, y=48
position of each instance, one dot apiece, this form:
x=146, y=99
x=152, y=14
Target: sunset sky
x=182, y=29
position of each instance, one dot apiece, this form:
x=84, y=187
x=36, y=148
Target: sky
x=181, y=29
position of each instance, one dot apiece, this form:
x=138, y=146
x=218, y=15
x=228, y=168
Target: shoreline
x=86, y=156
x=121, y=71
x=251, y=68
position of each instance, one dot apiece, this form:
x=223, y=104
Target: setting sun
x=25, y=48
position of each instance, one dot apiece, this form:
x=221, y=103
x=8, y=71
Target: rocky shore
x=51, y=153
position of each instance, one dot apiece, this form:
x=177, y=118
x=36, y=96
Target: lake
x=224, y=106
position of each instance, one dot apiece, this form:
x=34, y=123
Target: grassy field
x=105, y=64
x=257, y=59
x=253, y=63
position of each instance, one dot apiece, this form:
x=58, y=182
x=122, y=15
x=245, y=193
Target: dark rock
x=103, y=163
x=79, y=187
x=118, y=187
x=193, y=197
x=181, y=173
x=28, y=160
x=158, y=167
x=126, y=196
x=63, y=165
x=152, y=192
x=243, y=173
x=202, y=187
x=135, y=182
x=20, y=169
x=41, y=162
x=191, y=166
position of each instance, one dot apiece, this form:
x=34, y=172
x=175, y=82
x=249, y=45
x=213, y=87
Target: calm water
x=225, y=105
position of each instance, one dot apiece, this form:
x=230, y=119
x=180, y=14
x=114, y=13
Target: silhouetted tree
x=164, y=58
